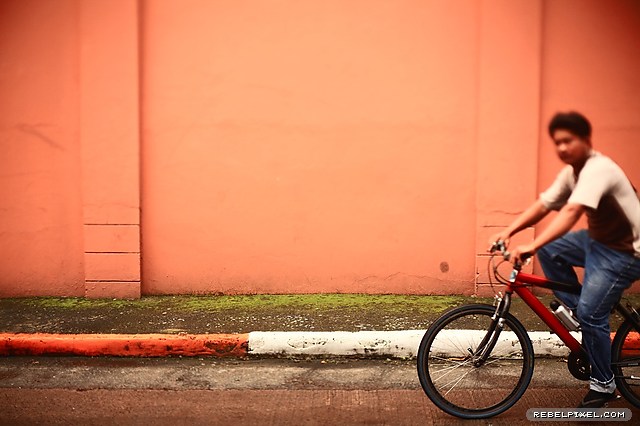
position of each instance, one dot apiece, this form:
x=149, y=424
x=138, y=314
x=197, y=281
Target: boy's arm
x=561, y=224
x=532, y=215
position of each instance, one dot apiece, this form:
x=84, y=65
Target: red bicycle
x=486, y=349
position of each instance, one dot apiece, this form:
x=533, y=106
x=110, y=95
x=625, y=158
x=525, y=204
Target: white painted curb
x=397, y=344
x=389, y=343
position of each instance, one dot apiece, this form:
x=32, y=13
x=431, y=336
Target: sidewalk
x=237, y=326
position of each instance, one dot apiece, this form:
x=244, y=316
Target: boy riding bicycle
x=609, y=251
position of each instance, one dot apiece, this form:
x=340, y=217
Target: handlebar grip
x=524, y=258
x=498, y=246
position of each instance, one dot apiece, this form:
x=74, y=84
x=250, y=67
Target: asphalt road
x=210, y=391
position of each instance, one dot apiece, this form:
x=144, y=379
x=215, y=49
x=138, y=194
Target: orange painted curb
x=137, y=345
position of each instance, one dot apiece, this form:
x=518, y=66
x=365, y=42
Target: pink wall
x=162, y=147
x=40, y=171
x=307, y=152
x=591, y=63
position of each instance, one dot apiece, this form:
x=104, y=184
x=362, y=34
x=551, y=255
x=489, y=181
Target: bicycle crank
x=579, y=366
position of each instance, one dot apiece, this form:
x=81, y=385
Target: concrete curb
x=394, y=344
x=136, y=345
x=397, y=344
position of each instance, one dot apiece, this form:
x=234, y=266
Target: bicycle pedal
x=606, y=404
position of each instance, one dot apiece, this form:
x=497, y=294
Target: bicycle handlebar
x=500, y=246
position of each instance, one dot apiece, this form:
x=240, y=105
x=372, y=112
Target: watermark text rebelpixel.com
x=579, y=414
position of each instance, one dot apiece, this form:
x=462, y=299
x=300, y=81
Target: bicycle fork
x=495, y=328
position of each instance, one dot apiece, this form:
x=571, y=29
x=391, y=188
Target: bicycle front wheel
x=625, y=362
x=453, y=376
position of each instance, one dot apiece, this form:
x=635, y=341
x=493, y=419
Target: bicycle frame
x=520, y=282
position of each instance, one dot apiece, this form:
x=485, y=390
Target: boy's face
x=571, y=149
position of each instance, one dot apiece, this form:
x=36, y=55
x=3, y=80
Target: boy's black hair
x=572, y=121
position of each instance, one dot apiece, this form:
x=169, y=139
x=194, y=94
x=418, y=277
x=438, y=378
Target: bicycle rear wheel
x=625, y=362
x=454, y=379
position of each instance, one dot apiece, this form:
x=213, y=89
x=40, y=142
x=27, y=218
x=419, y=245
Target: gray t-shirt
x=613, y=207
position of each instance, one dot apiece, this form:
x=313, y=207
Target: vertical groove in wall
x=109, y=128
x=140, y=8
x=508, y=120
x=479, y=6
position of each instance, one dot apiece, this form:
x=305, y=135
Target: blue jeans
x=607, y=273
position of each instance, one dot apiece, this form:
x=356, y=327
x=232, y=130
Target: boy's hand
x=521, y=253
x=500, y=236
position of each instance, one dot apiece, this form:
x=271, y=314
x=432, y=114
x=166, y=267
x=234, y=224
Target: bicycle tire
x=625, y=362
x=476, y=392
